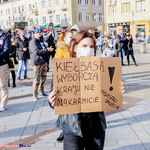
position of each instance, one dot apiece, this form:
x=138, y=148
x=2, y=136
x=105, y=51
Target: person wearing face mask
x=75, y=29
x=63, y=51
x=110, y=50
x=38, y=53
x=84, y=130
x=22, y=50
x=63, y=45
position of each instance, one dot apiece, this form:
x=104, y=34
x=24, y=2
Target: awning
x=57, y=26
x=44, y=26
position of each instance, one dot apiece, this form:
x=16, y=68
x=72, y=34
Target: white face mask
x=110, y=46
x=69, y=41
x=85, y=52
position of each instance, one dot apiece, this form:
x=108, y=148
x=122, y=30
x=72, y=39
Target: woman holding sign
x=84, y=130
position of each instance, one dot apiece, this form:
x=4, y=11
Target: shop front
x=140, y=28
x=114, y=27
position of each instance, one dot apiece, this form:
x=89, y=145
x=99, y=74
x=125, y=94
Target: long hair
x=77, y=38
x=63, y=34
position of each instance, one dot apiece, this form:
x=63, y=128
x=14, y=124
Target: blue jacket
x=5, y=47
x=122, y=40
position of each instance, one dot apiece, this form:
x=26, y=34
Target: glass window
x=86, y=1
x=80, y=17
x=64, y=1
x=31, y=21
x=57, y=2
x=57, y=18
x=44, y=20
x=100, y=2
x=93, y=2
x=49, y=3
x=43, y=4
x=1, y=12
x=100, y=16
x=79, y=1
x=37, y=22
x=50, y=19
x=22, y=8
x=30, y=7
x=125, y=8
x=94, y=17
x=140, y=6
x=87, y=17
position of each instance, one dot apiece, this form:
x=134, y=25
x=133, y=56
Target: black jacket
x=36, y=52
x=122, y=40
x=5, y=47
x=71, y=123
x=22, y=55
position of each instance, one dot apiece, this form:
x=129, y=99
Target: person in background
x=63, y=51
x=22, y=54
x=130, y=49
x=5, y=48
x=38, y=53
x=50, y=40
x=116, y=44
x=123, y=44
x=13, y=55
x=75, y=29
x=110, y=50
x=137, y=38
x=63, y=45
x=101, y=43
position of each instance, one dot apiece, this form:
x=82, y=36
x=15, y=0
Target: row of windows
x=20, y=9
x=125, y=7
x=85, y=17
x=94, y=2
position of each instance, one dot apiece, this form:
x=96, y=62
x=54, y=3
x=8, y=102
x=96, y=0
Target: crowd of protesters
x=87, y=130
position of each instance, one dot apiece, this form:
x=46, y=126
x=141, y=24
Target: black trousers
x=93, y=135
x=130, y=52
x=13, y=78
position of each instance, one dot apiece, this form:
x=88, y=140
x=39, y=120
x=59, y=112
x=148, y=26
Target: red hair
x=63, y=34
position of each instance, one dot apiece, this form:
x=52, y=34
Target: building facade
x=130, y=15
x=87, y=14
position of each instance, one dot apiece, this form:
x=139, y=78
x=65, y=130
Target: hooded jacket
x=75, y=27
x=63, y=50
x=5, y=47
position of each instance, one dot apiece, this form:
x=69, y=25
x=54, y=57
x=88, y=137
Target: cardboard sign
x=87, y=84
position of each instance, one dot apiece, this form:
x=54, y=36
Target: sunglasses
x=128, y=35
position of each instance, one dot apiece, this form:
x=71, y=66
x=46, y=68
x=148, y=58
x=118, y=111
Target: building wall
x=135, y=18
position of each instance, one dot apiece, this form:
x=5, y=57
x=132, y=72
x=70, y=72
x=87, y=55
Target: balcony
x=64, y=8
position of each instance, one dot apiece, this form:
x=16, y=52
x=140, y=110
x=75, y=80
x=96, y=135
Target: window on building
x=112, y=9
x=19, y=9
x=94, y=17
x=80, y=17
x=65, y=2
x=100, y=17
x=100, y=2
x=1, y=12
x=22, y=8
x=44, y=20
x=43, y=4
x=30, y=7
x=93, y=2
x=36, y=8
x=79, y=1
x=6, y=11
x=86, y=1
x=125, y=8
x=50, y=19
x=57, y=2
x=65, y=18
x=87, y=17
x=31, y=21
x=49, y=3
x=140, y=6
x=58, y=19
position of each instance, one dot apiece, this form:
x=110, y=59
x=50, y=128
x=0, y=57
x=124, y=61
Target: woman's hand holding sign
x=52, y=97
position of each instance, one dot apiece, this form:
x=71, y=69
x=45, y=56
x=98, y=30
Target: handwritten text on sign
x=81, y=82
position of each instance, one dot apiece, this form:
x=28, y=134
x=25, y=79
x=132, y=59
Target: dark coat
x=36, y=52
x=71, y=123
x=50, y=40
x=5, y=47
x=122, y=40
x=22, y=55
